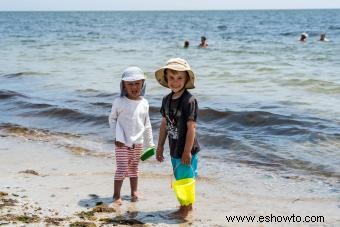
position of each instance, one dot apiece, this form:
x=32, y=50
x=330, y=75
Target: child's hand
x=186, y=158
x=119, y=144
x=159, y=154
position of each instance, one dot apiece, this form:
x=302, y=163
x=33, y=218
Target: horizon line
x=160, y=10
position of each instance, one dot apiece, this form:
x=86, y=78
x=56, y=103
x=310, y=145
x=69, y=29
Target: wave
x=247, y=118
x=248, y=149
x=334, y=27
x=254, y=125
x=73, y=143
x=70, y=115
x=154, y=110
x=222, y=121
x=13, y=75
x=18, y=130
x=266, y=69
x=222, y=27
x=102, y=104
x=93, y=33
x=313, y=85
x=94, y=93
x=28, y=41
x=275, y=163
x=21, y=74
x=7, y=94
x=30, y=109
x=287, y=33
x=303, y=82
x=260, y=154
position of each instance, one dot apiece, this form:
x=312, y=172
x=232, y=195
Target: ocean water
x=266, y=100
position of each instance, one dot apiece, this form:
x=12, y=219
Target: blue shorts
x=182, y=171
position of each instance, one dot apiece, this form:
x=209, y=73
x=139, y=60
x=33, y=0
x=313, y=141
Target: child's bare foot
x=182, y=212
x=117, y=201
x=134, y=197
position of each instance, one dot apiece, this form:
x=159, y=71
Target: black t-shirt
x=177, y=113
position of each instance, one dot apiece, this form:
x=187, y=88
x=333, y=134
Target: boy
x=179, y=113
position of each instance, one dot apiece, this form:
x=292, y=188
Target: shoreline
x=67, y=184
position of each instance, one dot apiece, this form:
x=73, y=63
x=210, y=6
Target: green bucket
x=147, y=153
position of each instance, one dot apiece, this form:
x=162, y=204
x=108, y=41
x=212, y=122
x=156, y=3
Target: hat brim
x=134, y=78
x=160, y=76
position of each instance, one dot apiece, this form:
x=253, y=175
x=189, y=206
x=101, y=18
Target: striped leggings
x=127, y=159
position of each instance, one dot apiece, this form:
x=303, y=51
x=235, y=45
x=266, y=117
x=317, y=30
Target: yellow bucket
x=185, y=191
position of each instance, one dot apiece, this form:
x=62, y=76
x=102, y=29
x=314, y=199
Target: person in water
x=303, y=37
x=186, y=44
x=204, y=42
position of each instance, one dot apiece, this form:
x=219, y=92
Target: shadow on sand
x=131, y=215
x=94, y=200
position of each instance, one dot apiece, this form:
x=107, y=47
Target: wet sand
x=43, y=184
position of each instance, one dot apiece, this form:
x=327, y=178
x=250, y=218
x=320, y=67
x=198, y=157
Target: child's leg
x=134, y=185
x=184, y=211
x=134, y=155
x=182, y=171
x=121, y=171
x=117, y=188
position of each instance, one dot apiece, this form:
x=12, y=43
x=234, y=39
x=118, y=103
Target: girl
x=130, y=124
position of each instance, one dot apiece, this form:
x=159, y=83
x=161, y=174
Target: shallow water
x=266, y=100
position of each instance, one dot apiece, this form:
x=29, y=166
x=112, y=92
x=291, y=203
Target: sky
x=51, y=5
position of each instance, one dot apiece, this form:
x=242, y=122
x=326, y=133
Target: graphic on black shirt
x=172, y=117
x=172, y=130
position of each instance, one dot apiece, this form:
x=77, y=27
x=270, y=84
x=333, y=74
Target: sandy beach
x=268, y=120
x=42, y=184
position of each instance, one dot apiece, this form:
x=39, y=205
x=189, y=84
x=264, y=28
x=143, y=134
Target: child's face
x=176, y=79
x=133, y=88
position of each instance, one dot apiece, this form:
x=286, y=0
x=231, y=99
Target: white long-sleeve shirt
x=130, y=122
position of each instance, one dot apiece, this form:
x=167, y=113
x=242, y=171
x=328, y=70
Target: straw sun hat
x=177, y=64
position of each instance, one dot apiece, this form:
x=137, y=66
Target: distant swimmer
x=303, y=37
x=204, y=42
x=186, y=44
x=323, y=37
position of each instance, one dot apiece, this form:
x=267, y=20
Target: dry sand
x=43, y=184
